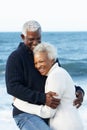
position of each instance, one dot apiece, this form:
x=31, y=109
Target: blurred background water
x=72, y=54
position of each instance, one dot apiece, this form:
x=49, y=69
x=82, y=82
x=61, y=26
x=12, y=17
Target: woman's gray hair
x=32, y=26
x=48, y=48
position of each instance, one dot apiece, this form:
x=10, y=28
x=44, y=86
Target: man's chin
x=42, y=73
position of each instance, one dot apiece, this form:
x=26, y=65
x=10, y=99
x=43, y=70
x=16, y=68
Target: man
x=25, y=82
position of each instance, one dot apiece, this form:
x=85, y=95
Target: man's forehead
x=33, y=34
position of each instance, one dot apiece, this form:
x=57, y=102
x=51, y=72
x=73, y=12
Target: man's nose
x=35, y=42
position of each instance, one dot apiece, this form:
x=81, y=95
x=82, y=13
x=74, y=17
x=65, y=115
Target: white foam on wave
x=6, y=121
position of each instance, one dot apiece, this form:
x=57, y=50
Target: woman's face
x=42, y=62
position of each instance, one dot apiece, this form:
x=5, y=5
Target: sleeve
x=40, y=110
x=79, y=88
x=55, y=83
x=15, y=82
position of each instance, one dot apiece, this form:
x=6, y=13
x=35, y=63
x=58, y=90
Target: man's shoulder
x=21, y=45
x=15, y=53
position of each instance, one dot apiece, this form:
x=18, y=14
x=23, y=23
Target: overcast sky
x=53, y=15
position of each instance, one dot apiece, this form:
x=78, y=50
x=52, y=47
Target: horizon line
x=50, y=31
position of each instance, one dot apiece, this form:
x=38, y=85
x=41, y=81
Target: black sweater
x=23, y=80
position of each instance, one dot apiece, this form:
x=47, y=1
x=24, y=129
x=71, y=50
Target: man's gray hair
x=31, y=26
x=48, y=48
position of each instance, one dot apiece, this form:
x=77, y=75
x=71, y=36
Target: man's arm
x=80, y=95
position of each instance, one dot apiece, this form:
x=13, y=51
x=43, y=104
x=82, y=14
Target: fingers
x=52, y=100
x=54, y=103
x=77, y=103
x=80, y=95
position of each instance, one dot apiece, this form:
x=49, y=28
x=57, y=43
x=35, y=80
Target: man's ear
x=22, y=36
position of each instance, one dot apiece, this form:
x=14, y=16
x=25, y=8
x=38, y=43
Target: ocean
x=72, y=54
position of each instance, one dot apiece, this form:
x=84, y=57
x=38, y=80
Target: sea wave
x=75, y=67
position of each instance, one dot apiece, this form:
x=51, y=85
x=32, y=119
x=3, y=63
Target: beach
x=72, y=54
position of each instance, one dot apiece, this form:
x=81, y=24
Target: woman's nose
x=37, y=66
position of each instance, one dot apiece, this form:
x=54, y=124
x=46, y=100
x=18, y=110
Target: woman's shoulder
x=59, y=72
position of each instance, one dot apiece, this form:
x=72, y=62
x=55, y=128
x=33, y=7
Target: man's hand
x=51, y=100
x=78, y=101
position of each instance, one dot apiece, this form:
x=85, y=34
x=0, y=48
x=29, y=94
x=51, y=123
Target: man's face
x=31, y=39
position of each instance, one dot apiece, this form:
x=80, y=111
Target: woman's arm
x=41, y=110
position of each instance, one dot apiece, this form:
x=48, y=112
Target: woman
x=66, y=116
